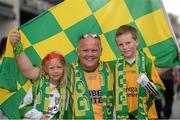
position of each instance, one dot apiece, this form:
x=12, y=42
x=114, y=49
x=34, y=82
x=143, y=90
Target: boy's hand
x=144, y=81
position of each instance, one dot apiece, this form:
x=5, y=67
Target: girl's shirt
x=51, y=105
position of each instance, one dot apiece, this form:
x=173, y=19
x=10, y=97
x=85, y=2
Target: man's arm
x=22, y=60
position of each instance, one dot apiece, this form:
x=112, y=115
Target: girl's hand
x=44, y=117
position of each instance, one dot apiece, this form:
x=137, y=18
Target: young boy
x=137, y=81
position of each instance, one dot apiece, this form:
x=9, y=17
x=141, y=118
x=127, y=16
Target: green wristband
x=18, y=49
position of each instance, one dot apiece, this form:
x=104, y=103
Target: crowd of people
x=89, y=88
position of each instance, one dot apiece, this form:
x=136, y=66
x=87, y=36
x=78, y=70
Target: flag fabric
x=59, y=28
x=13, y=86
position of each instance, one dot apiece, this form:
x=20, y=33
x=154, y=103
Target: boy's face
x=127, y=45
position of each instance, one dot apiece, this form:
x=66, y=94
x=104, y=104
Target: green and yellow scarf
x=120, y=89
x=41, y=90
x=45, y=92
x=82, y=103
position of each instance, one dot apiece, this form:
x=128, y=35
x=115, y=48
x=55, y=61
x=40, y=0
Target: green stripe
x=89, y=24
x=71, y=57
x=95, y=5
x=25, y=109
x=141, y=7
x=134, y=113
x=160, y=90
x=150, y=101
x=33, y=56
x=11, y=106
x=41, y=27
x=166, y=53
x=110, y=37
x=9, y=74
x=142, y=42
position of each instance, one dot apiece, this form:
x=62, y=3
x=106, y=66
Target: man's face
x=127, y=45
x=89, y=52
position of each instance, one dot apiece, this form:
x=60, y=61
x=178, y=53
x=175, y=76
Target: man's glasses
x=94, y=35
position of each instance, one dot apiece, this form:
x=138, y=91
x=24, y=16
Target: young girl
x=48, y=96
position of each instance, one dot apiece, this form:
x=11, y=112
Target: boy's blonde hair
x=127, y=29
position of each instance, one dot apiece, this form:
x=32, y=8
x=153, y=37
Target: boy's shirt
x=132, y=86
x=131, y=78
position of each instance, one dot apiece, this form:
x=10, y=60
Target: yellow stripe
x=27, y=85
x=24, y=40
x=112, y=15
x=54, y=44
x=18, y=85
x=6, y=94
x=148, y=53
x=46, y=104
x=105, y=56
x=154, y=27
x=70, y=12
x=9, y=49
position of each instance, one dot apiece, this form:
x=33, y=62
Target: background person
x=2, y=49
x=177, y=81
x=165, y=110
x=3, y=42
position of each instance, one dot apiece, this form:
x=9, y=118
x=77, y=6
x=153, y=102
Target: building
x=14, y=13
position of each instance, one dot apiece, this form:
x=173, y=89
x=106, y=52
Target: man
x=136, y=80
x=91, y=81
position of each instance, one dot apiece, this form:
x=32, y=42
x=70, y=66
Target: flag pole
x=170, y=26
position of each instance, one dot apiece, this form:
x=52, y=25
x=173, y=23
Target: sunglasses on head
x=94, y=35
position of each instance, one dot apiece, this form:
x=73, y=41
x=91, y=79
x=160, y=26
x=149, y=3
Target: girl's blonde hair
x=61, y=58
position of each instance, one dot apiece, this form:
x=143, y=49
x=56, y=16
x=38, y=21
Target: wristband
x=18, y=49
x=152, y=88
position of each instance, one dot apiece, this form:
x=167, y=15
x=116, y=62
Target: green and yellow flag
x=59, y=28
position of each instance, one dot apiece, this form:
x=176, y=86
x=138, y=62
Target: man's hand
x=15, y=37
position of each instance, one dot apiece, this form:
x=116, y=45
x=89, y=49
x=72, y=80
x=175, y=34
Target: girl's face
x=55, y=70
